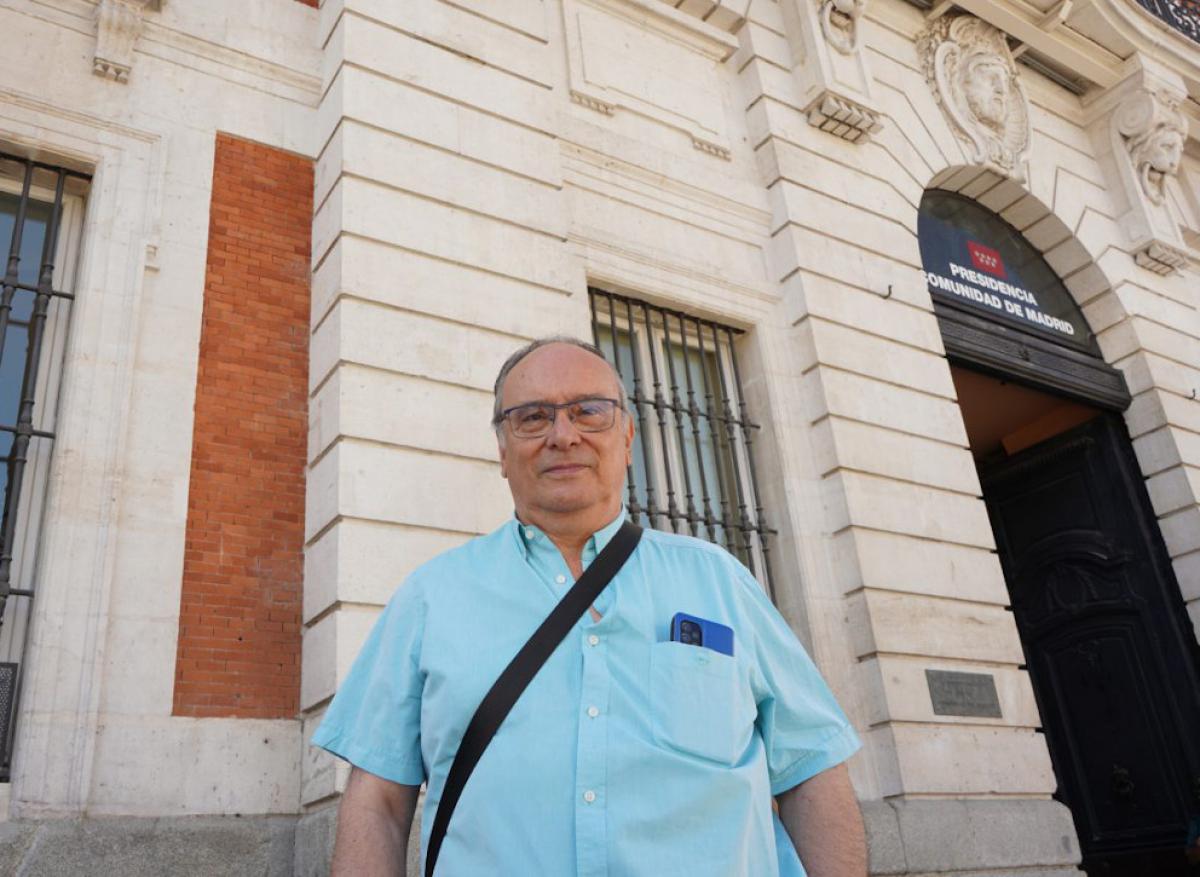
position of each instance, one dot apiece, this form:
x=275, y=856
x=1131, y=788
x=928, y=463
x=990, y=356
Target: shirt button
x=561, y=579
x=589, y=796
x=593, y=712
x=593, y=640
x=529, y=532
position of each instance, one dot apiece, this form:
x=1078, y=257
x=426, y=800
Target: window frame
x=16, y=595
x=678, y=416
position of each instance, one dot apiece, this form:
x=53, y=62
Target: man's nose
x=562, y=431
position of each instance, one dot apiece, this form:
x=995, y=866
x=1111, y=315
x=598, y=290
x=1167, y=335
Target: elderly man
x=627, y=754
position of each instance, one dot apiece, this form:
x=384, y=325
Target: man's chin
x=568, y=499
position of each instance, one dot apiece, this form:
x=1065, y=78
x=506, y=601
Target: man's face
x=564, y=471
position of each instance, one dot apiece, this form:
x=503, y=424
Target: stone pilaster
x=439, y=246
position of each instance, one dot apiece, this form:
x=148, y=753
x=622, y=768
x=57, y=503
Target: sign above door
x=1002, y=309
x=974, y=259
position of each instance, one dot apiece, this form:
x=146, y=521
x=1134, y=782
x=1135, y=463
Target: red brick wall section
x=239, y=620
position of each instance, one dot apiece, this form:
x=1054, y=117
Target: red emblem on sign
x=986, y=259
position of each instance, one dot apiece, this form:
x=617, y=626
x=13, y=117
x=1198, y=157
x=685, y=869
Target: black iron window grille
x=1183, y=15
x=693, y=464
x=36, y=202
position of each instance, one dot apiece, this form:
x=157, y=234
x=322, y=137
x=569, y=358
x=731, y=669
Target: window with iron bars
x=693, y=467
x=41, y=209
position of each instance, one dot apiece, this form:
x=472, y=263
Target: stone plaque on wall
x=963, y=694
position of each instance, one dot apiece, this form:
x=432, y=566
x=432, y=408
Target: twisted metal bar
x=676, y=409
x=13, y=271
x=743, y=521
x=726, y=528
x=660, y=408
x=24, y=429
x=639, y=402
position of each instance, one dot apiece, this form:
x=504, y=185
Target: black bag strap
x=508, y=687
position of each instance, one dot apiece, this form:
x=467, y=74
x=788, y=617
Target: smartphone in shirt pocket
x=692, y=630
x=702, y=702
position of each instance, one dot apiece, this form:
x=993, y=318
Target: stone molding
x=728, y=15
x=118, y=26
x=710, y=147
x=971, y=71
x=833, y=78
x=598, y=35
x=593, y=103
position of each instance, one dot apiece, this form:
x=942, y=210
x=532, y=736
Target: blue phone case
x=713, y=635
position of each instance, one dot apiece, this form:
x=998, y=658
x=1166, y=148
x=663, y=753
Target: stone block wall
x=439, y=246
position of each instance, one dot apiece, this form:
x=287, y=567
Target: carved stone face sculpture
x=971, y=70
x=986, y=87
x=1150, y=125
x=1165, y=150
x=1156, y=155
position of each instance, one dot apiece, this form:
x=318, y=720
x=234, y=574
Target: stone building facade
x=281, y=218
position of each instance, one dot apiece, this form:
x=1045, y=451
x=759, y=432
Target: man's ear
x=503, y=454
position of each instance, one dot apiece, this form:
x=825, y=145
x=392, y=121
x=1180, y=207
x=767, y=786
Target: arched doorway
x=1107, y=643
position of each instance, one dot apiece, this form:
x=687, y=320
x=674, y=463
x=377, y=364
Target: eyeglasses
x=537, y=418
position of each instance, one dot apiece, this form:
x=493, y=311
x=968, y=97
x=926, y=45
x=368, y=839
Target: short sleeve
x=374, y=721
x=803, y=728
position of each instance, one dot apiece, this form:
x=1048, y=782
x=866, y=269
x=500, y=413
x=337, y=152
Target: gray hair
x=511, y=363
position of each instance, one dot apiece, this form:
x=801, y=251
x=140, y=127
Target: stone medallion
x=971, y=71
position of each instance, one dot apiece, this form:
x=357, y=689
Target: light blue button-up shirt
x=627, y=754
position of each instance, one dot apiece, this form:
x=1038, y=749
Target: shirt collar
x=529, y=536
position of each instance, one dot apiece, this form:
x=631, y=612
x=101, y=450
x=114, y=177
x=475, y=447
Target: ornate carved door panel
x=1110, y=651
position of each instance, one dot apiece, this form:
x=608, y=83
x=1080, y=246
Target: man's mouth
x=564, y=469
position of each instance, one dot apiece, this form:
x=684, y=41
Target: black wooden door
x=1110, y=651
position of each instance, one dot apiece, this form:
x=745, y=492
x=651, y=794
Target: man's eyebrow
x=571, y=401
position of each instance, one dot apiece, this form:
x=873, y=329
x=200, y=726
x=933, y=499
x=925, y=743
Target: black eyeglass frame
x=561, y=406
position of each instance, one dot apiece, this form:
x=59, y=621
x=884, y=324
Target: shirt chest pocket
x=701, y=702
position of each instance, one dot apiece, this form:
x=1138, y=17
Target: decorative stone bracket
x=831, y=72
x=1140, y=130
x=118, y=26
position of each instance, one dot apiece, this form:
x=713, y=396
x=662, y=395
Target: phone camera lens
x=689, y=633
